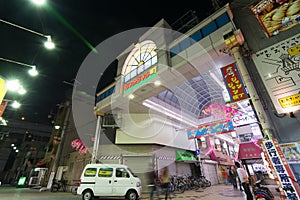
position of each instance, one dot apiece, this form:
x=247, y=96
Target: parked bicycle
x=59, y=186
x=74, y=187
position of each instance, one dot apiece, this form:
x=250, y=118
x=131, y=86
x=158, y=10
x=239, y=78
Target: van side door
x=122, y=182
x=104, y=180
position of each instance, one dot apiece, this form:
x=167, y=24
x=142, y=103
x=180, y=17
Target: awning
x=185, y=156
x=249, y=150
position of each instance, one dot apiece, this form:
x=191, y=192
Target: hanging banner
x=278, y=67
x=277, y=16
x=210, y=129
x=3, y=89
x=3, y=106
x=79, y=146
x=234, y=83
x=281, y=168
x=291, y=152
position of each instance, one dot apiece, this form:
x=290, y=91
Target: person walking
x=165, y=181
x=232, y=176
x=151, y=183
x=242, y=174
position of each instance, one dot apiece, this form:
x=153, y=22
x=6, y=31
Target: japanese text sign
x=219, y=127
x=79, y=146
x=234, y=83
x=281, y=168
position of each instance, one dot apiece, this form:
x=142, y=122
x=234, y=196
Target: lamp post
x=32, y=71
x=48, y=43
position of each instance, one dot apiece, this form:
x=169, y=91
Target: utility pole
x=67, y=106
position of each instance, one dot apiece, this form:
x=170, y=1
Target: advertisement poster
x=291, y=152
x=218, y=127
x=276, y=16
x=234, y=83
x=278, y=67
x=281, y=168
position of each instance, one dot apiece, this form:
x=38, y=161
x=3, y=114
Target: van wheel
x=87, y=195
x=131, y=195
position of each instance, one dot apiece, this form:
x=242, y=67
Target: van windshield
x=131, y=172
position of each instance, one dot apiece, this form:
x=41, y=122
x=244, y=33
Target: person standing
x=165, y=181
x=242, y=174
x=225, y=176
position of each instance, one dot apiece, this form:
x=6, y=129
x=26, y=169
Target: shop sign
x=291, y=152
x=139, y=80
x=185, y=156
x=279, y=69
x=3, y=107
x=79, y=146
x=2, y=89
x=277, y=16
x=249, y=150
x=234, y=83
x=281, y=168
x=210, y=129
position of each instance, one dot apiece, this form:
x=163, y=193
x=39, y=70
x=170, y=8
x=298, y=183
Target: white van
x=109, y=180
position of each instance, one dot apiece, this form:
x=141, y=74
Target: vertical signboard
x=234, y=83
x=278, y=66
x=3, y=106
x=2, y=89
x=277, y=16
x=281, y=168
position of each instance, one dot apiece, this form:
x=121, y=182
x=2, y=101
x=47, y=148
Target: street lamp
x=48, y=43
x=32, y=71
x=38, y=2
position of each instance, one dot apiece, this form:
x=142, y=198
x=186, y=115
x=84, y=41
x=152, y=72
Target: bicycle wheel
x=74, y=190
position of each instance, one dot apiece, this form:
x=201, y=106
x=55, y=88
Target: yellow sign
x=290, y=101
x=2, y=89
x=295, y=50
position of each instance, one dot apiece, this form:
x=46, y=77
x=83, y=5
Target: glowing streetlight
x=32, y=71
x=48, y=44
x=13, y=85
x=39, y=2
x=16, y=104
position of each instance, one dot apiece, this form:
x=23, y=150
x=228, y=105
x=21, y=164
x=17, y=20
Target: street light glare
x=16, y=104
x=49, y=44
x=13, y=85
x=22, y=91
x=39, y=2
x=33, y=71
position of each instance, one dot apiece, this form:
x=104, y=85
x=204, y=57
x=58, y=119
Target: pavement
x=215, y=192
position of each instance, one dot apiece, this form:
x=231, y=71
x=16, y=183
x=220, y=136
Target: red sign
x=234, y=83
x=79, y=146
x=249, y=150
x=3, y=106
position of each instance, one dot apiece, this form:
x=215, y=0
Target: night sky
x=73, y=25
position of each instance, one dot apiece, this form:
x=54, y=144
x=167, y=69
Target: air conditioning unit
x=111, y=121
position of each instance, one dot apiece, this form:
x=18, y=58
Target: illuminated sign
x=79, y=146
x=140, y=79
x=279, y=68
x=234, y=83
x=277, y=16
x=290, y=101
x=2, y=89
x=139, y=66
x=218, y=127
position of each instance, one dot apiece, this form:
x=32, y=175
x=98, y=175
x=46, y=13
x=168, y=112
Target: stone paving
x=216, y=192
